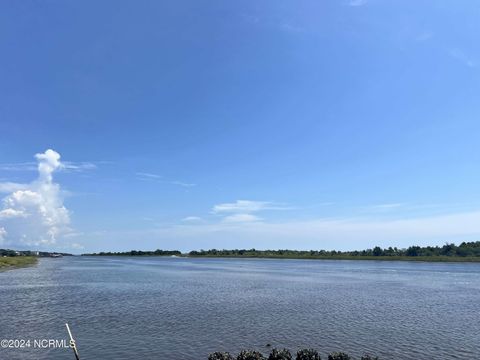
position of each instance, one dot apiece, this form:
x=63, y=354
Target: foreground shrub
x=338, y=356
x=220, y=356
x=280, y=355
x=250, y=355
x=307, y=354
x=368, y=357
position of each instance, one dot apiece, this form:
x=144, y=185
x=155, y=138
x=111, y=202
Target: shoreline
x=353, y=258
x=438, y=259
x=17, y=262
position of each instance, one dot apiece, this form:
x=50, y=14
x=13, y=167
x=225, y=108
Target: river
x=182, y=308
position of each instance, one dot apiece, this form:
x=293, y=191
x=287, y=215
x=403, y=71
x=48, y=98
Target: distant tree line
x=8, y=252
x=11, y=253
x=157, y=252
x=284, y=354
x=465, y=249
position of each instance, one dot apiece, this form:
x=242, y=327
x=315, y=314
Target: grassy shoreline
x=17, y=261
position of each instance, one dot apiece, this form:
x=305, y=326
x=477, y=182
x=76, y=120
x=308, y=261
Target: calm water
x=167, y=308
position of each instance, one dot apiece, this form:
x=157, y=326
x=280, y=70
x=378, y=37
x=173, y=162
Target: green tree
x=377, y=251
x=338, y=356
x=250, y=355
x=307, y=354
x=220, y=356
x=283, y=354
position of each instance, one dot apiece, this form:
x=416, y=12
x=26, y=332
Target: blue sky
x=266, y=124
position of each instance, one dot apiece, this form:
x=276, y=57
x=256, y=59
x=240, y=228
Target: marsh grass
x=17, y=261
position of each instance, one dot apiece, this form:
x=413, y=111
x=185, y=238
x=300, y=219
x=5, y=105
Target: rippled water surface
x=172, y=308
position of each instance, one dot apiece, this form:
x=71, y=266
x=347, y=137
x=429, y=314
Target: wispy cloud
x=385, y=207
x=8, y=187
x=192, y=219
x=24, y=166
x=183, y=184
x=247, y=206
x=67, y=166
x=79, y=166
x=146, y=176
x=241, y=211
x=462, y=57
x=241, y=218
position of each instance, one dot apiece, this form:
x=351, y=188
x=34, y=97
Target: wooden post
x=74, y=348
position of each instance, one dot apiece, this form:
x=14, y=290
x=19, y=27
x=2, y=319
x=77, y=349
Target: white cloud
x=34, y=214
x=241, y=211
x=11, y=213
x=48, y=162
x=245, y=206
x=192, y=219
x=241, y=218
x=8, y=187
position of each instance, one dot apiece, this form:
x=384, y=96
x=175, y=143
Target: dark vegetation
x=138, y=253
x=284, y=354
x=307, y=354
x=220, y=356
x=466, y=251
x=338, y=356
x=250, y=355
x=9, y=253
